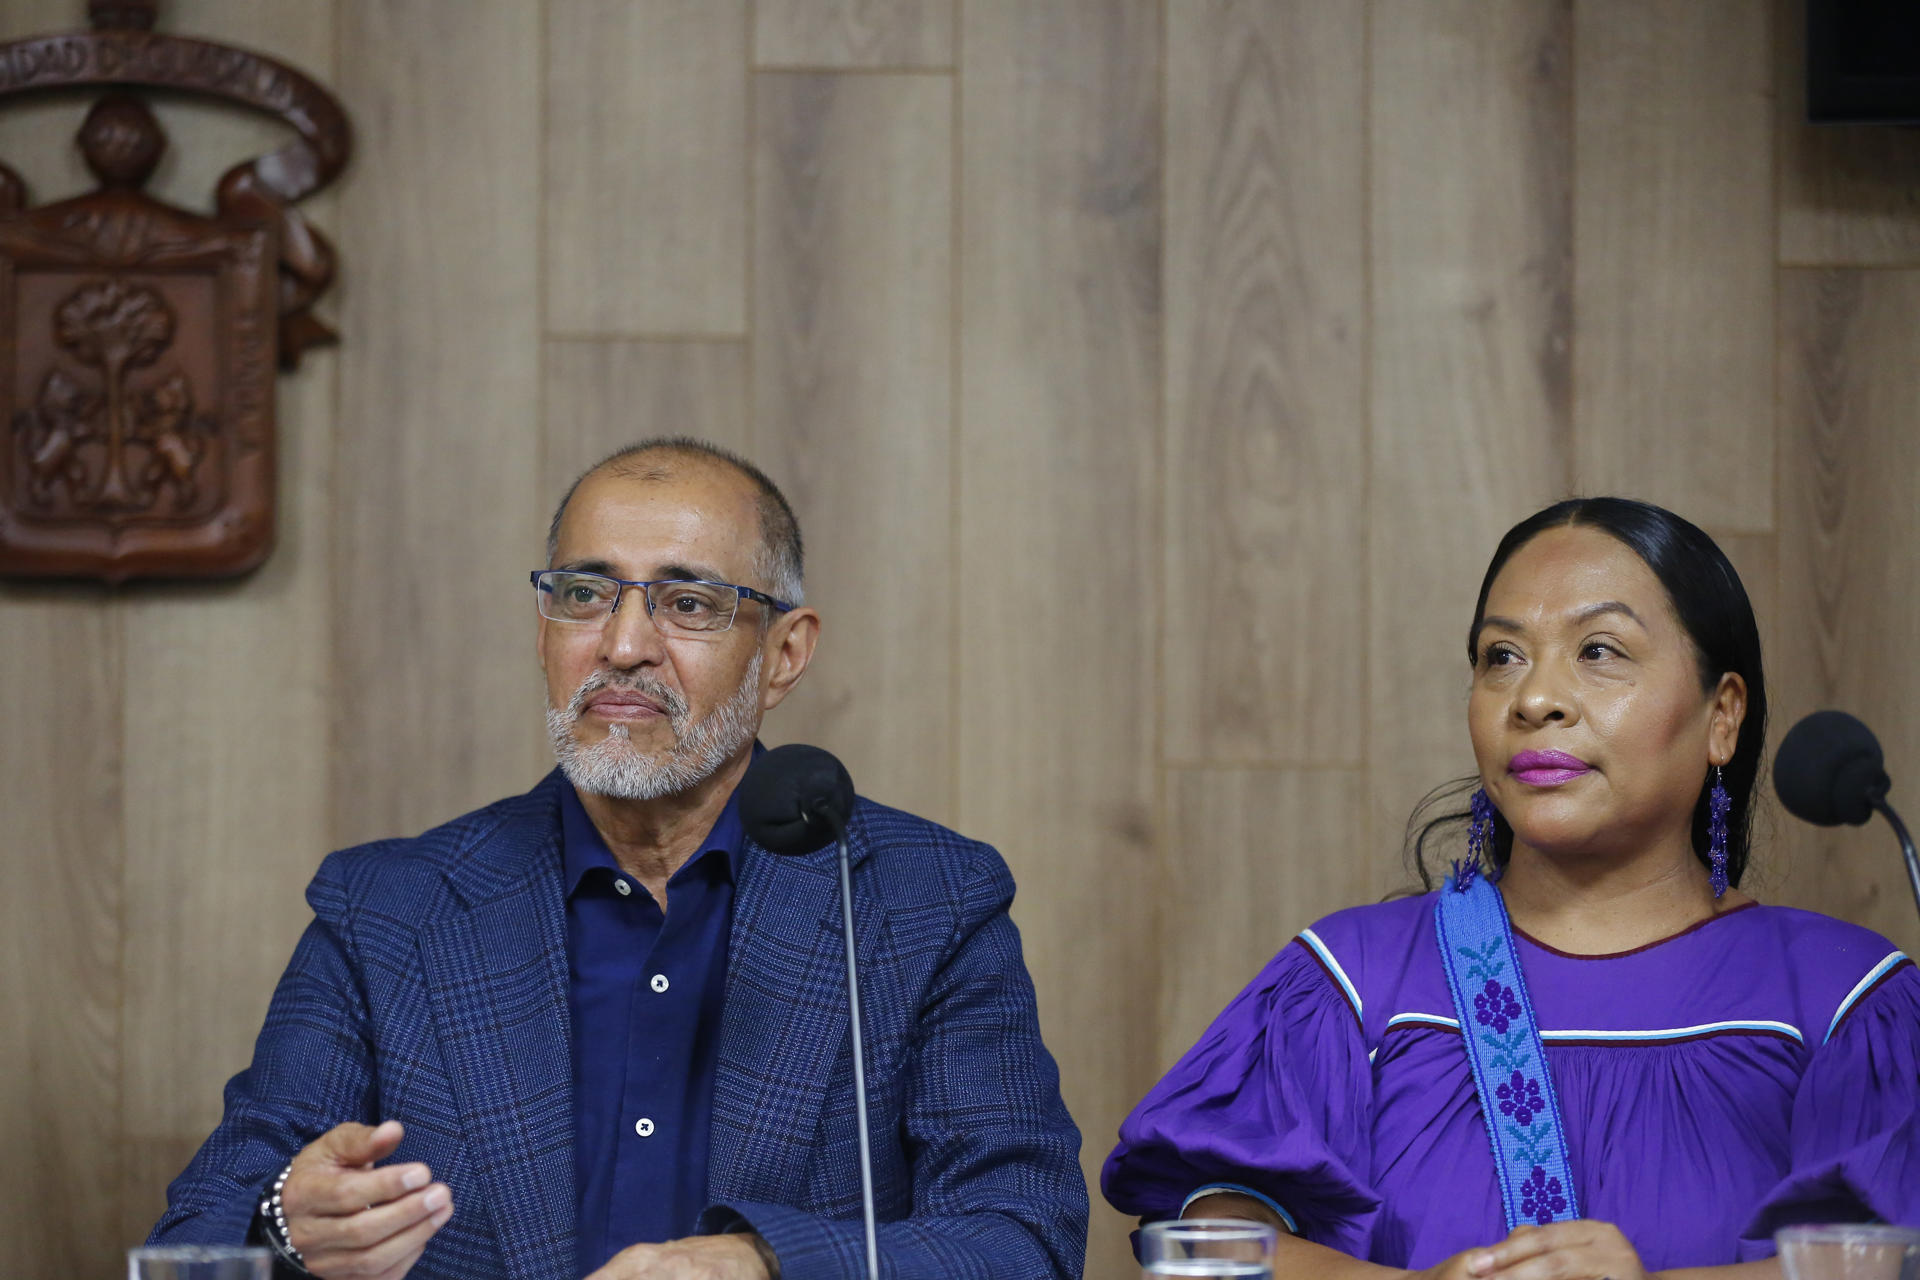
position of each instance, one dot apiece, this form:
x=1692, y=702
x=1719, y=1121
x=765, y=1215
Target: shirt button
x=643, y=1127
x=623, y=887
x=659, y=982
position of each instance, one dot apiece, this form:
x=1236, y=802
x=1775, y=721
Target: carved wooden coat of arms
x=139, y=341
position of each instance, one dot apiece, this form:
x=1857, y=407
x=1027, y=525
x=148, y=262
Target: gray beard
x=614, y=767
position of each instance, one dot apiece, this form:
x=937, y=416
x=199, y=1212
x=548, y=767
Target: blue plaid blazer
x=431, y=988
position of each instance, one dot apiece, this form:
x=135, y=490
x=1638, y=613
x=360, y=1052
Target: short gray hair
x=782, y=560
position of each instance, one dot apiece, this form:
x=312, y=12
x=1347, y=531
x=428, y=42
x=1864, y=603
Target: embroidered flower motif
x=1541, y=1197
x=1520, y=1098
x=1495, y=1006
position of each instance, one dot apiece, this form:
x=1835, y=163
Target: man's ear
x=789, y=650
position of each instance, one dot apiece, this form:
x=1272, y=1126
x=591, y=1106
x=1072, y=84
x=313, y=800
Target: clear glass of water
x=1849, y=1252
x=1208, y=1247
x=199, y=1262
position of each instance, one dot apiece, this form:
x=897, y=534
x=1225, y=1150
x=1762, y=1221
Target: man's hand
x=730, y=1257
x=351, y=1221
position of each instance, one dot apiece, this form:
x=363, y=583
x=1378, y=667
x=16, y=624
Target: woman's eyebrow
x=1593, y=611
x=1494, y=620
x=1580, y=619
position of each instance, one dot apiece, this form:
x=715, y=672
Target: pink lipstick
x=1547, y=768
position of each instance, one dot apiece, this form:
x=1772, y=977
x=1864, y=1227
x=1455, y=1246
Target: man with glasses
x=598, y=1030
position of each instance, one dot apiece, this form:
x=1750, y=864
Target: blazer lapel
x=497, y=980
x=785, y=1022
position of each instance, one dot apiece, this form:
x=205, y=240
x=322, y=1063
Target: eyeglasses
x=674, y=604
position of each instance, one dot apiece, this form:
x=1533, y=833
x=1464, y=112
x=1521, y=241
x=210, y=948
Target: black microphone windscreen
x=1830, y=770
x=795, y=799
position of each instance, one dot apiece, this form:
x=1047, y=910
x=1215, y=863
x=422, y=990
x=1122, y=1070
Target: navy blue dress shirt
x=646, y=989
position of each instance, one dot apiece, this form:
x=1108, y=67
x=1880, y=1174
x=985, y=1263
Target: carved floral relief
x=103, y=444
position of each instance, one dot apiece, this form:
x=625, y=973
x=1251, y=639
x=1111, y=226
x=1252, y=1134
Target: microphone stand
x=859, y=1046
x=1906, y=848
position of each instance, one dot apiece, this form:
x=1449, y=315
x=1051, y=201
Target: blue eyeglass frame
x=778, y=606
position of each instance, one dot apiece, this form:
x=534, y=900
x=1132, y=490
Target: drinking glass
x=1849, y=1252
x=1208, y=1247
x=199, y=1262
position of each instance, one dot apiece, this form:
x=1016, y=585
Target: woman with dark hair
x=1587, y=1053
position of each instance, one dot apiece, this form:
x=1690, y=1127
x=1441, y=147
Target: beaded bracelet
x=275, y=1215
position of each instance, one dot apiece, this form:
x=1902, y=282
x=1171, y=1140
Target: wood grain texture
x=1848, y=194
x=853, y=33
x=645, y=167
x=1673, y=368
x=227, y=711
x=1266, y=380
x=436, y=506
x=1260, y=855
x=601, y=396
x=1060, y=359
x=1470, y=378
x=853, y=409
x=1849, y=578
x=62, y=855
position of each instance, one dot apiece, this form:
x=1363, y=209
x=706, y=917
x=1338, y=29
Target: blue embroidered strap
x=1503, y=1045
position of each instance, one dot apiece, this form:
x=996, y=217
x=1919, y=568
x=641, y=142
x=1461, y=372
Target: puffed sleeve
x=1855, y=1143
x=1274, y=1100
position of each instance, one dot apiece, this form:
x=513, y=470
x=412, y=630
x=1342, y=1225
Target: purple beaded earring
x=1718, y=803
x=1480, y=833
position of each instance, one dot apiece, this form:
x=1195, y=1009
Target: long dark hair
x=1712, y=606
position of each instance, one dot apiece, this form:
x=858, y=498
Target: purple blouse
x=1759, y=1069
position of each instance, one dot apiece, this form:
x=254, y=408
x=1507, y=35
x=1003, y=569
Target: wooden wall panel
x=1846, y=192
x=1058, y=553
x=600, y=396
x=1850, y=365
x=645, y=168
x=1271, y=851
x=436, y=502
x=62, y=856
x=1471, y=236
x=227, y=771
x=853, y=409
x=1266, y=380
x=1674, y=355
x=853, y=33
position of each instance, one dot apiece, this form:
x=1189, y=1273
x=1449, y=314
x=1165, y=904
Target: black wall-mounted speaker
x=1863, y=61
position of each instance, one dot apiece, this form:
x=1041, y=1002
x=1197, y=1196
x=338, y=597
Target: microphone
x=793, y=800
x=1830, y=770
